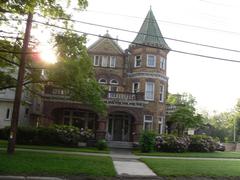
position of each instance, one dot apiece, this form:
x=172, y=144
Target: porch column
x=101, y=127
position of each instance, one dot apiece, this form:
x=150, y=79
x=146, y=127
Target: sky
x=215, y=84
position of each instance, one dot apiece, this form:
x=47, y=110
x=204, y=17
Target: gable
x=105, y=45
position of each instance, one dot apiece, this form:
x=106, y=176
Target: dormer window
x=102, y=81
x=114, y=82
x=151, y=60
x=137, y=62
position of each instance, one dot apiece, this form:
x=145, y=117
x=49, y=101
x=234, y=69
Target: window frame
x=103, y=61
x=147, y=64
x=96, y=59
x=135, y=61
x=8, y=114
x=163, y=63
x=146, y=92
x=99, y=81
x=138, y=89
x=111, y=82
x=161, y=93
x=113, y=59
x=147, y=121
x=160, y=122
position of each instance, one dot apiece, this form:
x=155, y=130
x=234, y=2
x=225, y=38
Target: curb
x=28, y=178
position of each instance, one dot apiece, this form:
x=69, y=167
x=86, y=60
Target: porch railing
x=125, y=96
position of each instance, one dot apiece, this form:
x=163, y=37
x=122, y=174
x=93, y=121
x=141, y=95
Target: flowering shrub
x=55, y=135
x=171, y=143
x=202, y=143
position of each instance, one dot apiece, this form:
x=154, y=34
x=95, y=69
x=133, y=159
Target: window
x=147, y=125
x=151, y=61
x=102, y=81
x=112, y=93
x=161, y=98
x=137, y=62
x=135, y=87
x=26, y=111
x=160, y=125
x=104, y=61
x=113, y=81
x=96, y=60
x=8, y=114
x=163, y=63
x=149, y=91
x=112, y=61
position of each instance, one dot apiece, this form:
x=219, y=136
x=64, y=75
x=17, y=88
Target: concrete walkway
x=126, y=164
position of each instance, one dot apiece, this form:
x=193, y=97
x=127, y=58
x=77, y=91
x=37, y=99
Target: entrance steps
x=120, y=144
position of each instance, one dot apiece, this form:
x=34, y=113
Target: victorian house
x=137, y=83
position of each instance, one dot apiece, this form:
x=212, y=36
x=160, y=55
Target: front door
x=118, y=130
x=119, y=127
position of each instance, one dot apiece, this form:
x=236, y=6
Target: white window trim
x=154, y=60
x=135, y=61
x=161, y=121
x=102, y=82
x=114, y=83
x=163, y=65
x=145, y=94
x=133, y=86
x=147, y=121
x=113, y=59
x=9, y=115
x=95, y=60
x=161, y=93
x=103, y=58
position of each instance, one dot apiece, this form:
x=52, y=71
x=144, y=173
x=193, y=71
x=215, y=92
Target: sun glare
x=47, y=54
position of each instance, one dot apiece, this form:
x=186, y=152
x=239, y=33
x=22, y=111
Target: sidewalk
x=126, y=164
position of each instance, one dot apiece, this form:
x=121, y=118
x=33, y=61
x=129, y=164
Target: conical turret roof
x=150, y=33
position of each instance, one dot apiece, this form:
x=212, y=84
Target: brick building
x=137, y=83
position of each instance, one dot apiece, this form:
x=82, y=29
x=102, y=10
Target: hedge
x=55, y=135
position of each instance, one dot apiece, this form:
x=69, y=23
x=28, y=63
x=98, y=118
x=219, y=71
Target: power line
x=169, y=22
x=131, y=31
x=115, y=39
x=172, y=39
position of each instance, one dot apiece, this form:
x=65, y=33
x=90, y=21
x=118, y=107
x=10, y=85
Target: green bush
x=202, y=143
x=171, y=143
x=147, y=141
x=55, y=135
x=101, y=144
x=4, y=133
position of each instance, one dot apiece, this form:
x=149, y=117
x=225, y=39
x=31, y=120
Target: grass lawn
x=210, y=168
x=3, y=144
x=31, y=163
x=218, y=154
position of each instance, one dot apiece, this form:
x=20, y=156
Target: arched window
x=102, y=81
x=113, y=81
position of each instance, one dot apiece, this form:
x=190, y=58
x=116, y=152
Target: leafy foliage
x=202, y=143
x=147, y=141
x=101, y=144
x=171, y=143
x=55, y=135
x=76, y=65
x=185, y=115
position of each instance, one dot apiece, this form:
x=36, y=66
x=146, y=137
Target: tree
x=185, y=115
x=81, y=85
x=76, y=65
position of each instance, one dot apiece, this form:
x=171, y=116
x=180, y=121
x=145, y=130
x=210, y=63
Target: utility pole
x=18, y=93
